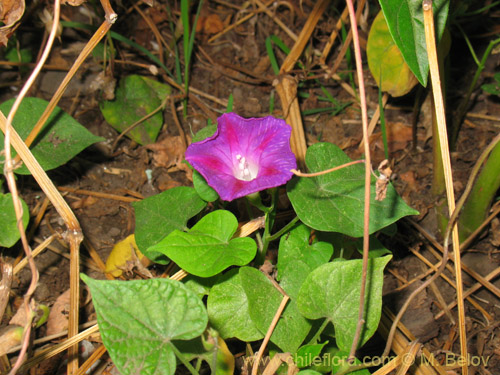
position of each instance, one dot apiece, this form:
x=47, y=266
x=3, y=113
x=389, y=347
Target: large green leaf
x=335, y=202
x=332, y=291
x=405, y=19
x=137, y=97
x=386, y=62
x=61, y=138
x=208, y=247
x=296, y=258
x=263, y=302
x=227, y=307
x=139, y=319
x=9, y=234
x=158, y=215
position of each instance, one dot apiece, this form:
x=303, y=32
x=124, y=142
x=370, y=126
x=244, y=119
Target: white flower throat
x=245, y=170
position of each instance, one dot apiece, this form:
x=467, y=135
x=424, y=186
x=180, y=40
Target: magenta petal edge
x=244, y=156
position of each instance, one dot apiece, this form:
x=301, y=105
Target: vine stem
x=184, y=361
x=11, y=182
x=366, y=141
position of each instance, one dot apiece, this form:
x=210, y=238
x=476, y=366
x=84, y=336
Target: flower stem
x=283, y=230
x=314, y=340
x=184, y=361
x=269, y=222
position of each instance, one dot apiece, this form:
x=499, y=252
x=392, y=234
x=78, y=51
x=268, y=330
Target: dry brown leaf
x=58, y=316
x=83, y=202
x=383, y=180
x=212, y=24
x=11, y=12
x=168, y=152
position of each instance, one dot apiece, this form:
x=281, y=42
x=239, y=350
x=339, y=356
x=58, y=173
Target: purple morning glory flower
x=244, y=156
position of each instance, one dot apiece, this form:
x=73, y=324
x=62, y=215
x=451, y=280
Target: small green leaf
x=206, y=192
x=207, y=249
x=227, y=307
x=204, y=133
x=332, y=291
x=137, y=97
x=493, y=88
x=9, y=234
x=263, y=302
x=335, y=202
x=139, y=319
x=159, y=215
x=296, y=258
x=307, y=354
x=405, y=19
x=61, y=138
x=386, y=62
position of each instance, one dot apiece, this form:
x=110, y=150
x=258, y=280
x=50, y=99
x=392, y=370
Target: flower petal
x=244, y=155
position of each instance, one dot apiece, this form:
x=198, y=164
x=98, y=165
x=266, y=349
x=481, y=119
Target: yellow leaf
x=123, y=253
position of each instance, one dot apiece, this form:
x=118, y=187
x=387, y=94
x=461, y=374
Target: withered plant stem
x=430, y=41
x=366, y=218
x=10, y=135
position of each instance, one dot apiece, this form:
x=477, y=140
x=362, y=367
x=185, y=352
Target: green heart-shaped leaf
x=227, y=307
x=296, y=258
x=207, y=248
x=335, y=202
x=61, y=138
x=158, y=215
x=263, y=302
x=139, y=319
x=332, y=291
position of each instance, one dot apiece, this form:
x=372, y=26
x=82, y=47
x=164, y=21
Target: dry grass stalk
x=286, y=86
x=430, y=41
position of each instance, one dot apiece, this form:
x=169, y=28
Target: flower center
x=245, y=170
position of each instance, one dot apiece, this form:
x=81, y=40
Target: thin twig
x=300, y=174
x=272, y=326
x=366, y=221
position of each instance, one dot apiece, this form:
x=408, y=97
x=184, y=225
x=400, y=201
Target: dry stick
x=273, y=324
x=366, y=221
x=34, y=253
x=9, y=175
x=445, y=157
x=99, y=194
x=330, y=73
x=154, y=29
x=94, y=357
x=280, y=23
x=401, y=340
x=59, y=348
x=237, y=23
x=5, y=285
